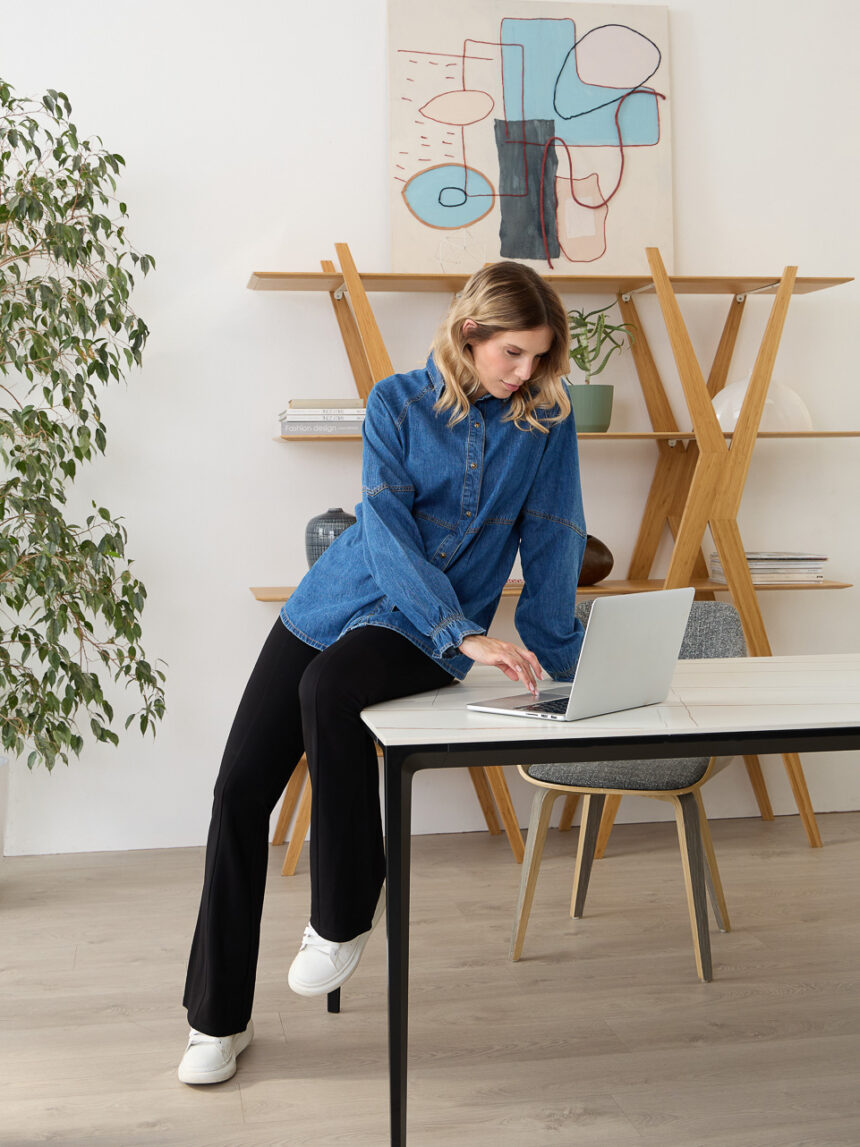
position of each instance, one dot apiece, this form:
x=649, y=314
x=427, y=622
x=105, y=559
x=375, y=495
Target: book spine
x=775, y=579
x=785, y=567
x=297, y=429
x=321, y=415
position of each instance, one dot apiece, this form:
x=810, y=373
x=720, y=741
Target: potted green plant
x=593, y=341
x=69, y=604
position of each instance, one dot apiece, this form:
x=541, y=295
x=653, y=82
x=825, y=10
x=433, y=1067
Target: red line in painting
x=500, y=43
x=614, y=191
x=540, y=197
x=456, y=55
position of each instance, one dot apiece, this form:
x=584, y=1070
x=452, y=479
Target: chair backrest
x=713, y=630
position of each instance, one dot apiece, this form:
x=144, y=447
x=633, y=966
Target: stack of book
x=306, y=417
x=769, y=567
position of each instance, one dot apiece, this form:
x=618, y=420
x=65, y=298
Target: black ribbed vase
x=322, y=530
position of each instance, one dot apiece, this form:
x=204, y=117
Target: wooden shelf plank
x=565, y=284
x=619, y=435
x=281, y=593
x=688, y=435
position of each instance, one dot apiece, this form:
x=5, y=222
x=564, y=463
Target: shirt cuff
x=450, y=633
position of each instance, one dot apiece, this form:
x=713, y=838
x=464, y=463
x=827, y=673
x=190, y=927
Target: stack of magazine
x=305, y=417
x=775, y=567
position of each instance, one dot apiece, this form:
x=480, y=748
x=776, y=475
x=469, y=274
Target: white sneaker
x=212, y=1058
x=323, y=965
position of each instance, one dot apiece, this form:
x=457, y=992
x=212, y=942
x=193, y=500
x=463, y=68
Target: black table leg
x=398, y=831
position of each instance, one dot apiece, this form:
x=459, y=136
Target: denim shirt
x=443, y=511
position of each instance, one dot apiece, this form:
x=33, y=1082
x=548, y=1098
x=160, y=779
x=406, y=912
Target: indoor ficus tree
x=69, y=605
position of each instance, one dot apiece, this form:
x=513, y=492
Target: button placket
x=474, y=458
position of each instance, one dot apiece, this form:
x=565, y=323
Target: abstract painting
x=531, y=131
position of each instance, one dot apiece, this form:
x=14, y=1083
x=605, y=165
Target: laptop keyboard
x=559, y=705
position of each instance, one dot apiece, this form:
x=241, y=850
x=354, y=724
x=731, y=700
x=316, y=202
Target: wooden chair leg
x=592, y=811
x=496, y=777
x=610, y=812
x=288, y=804
x=485, y=798
x=692, y=859
x=300, y=828
x=712, y=872
x=759, y=787
x=794, y=769
x=568, y=812
x=542, y=804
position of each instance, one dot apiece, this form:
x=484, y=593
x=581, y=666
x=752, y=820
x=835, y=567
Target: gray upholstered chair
x=714, y=630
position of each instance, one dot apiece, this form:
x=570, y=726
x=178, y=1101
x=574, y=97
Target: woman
x=465, y=461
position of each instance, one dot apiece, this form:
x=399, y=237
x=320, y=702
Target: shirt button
x=474, y=466
x=443, y=555
x=468, y=513
x=477, y=425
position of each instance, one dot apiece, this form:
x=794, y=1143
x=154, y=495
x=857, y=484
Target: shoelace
x=312, y=939
x=197, y=1037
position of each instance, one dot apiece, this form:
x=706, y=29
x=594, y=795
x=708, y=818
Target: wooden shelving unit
x=699, y=474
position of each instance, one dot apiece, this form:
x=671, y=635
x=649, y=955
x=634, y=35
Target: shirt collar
x=439, y=383
x=435, y=376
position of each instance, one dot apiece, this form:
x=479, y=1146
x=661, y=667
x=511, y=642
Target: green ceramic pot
x=592, y=406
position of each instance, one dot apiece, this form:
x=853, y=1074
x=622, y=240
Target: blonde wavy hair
x=504, y=296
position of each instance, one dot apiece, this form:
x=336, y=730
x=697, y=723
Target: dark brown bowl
x=597, y=563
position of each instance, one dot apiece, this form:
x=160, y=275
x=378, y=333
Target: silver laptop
x=628, y=656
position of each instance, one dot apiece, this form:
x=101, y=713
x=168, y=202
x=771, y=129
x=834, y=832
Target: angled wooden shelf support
x=699, y=483
x=369, y=361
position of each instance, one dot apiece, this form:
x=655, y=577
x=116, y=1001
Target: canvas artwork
x=536, y=131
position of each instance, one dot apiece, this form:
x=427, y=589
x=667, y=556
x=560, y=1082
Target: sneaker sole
x=337, y=981
x=222, y=1073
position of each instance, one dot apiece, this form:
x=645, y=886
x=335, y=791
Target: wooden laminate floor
x=600, y=1035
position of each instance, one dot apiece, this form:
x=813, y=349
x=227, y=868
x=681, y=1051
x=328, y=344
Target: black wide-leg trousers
x=298, y=700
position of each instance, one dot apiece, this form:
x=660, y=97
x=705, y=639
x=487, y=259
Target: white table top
x=800, y=692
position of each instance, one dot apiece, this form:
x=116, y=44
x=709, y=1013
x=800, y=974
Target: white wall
x=255, y=138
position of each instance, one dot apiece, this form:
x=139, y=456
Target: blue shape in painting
x=449, y=195
x=584, y=113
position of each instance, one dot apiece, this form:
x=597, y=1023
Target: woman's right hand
x=516, y=662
